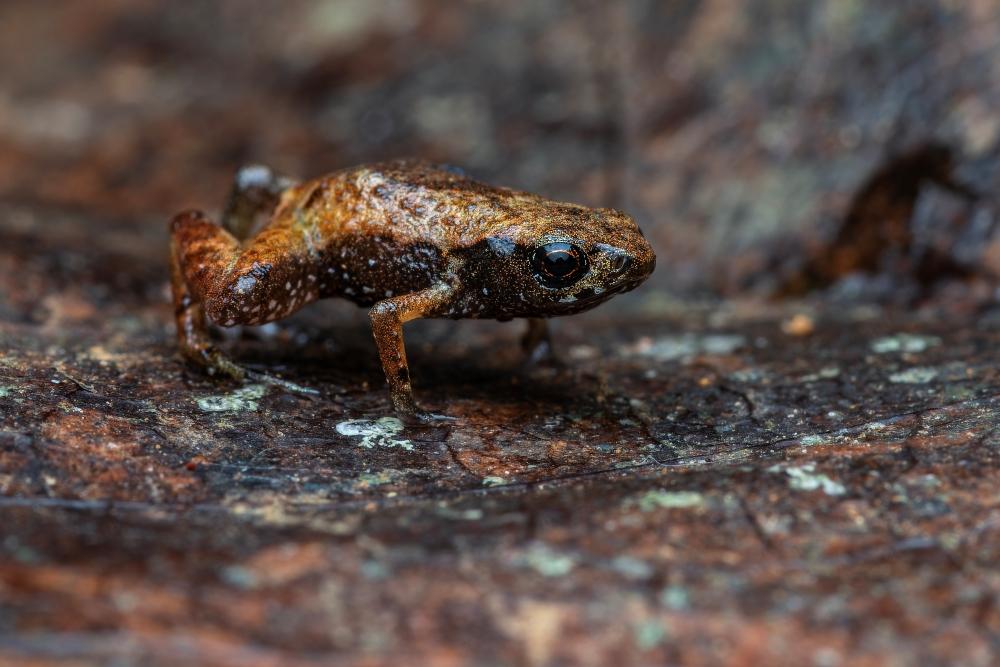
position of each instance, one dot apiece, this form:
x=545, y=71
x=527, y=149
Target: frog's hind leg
x=256, y=189
x=215, y=276
x=189, y=315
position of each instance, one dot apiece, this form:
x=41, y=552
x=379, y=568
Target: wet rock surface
x=707, y=481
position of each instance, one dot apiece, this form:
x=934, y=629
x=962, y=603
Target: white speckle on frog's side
x=914, y=376
x=375, y=432
x=903, y=342
x=805, y=478
x=241, y=400
x=245, y=284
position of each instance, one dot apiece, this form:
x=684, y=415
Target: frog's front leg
x=537, y=343
x=387, y=318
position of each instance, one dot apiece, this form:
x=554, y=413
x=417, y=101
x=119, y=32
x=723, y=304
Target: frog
x=406, y=238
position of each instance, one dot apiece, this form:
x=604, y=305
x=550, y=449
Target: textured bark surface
x=709, y=481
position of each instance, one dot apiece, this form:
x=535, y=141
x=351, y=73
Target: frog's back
x=408, y=201
x=383, y=229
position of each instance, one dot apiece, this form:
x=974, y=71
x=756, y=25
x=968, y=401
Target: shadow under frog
x=407, y=238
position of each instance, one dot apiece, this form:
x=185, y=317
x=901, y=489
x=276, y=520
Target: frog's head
x=564, y=260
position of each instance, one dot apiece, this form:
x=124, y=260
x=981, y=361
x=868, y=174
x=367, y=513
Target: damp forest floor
x=702, y=483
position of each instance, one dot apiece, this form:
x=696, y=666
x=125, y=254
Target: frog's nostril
x=618, y=259
x=620, y=262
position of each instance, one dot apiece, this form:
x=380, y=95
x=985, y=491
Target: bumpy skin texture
x=409, y=238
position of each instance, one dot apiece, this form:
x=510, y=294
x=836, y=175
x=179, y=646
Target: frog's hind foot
x=212, y=361
x=256, y=190
x=287, y=385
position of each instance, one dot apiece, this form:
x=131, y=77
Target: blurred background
x=767, y=147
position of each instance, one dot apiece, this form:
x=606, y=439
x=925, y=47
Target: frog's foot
x=544, y=356
x=409, y=412
x=287, y=385
x=213, y=361
x=538, y=348
x=434, y=418
x=423, y=418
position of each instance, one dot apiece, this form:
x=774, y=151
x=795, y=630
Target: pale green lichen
x=903, y=343
x=548, y=562
x=493, y=480
x=375, y=432
x=472, y=514
x=372, y=479
x=649, y=634
x=754, y=375
x=675, y=598
x=805, y=478
x=663, y=499
x=374, y=570
x=918, y=375
x=242, y=400
x=669, y=348
x=825, y=373
x=632, y=568
x=240, y=577
x=5, y=391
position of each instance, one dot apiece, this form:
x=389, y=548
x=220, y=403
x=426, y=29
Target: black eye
x=559, y=264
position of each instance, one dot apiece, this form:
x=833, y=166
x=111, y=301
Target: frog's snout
x=644, y=263
x=628, y=267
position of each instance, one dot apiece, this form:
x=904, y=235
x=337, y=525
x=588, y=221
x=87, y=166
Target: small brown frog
x=409, y=238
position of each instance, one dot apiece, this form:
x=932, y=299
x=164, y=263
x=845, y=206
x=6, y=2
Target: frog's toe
x=433, y=417
x=412, y=414
x=287, y=385
x=223, y=366
x=214, y=362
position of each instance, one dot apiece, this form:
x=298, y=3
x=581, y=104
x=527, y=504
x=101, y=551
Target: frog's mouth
x=589, y=297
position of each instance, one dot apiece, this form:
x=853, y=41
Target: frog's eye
x=558, y=264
